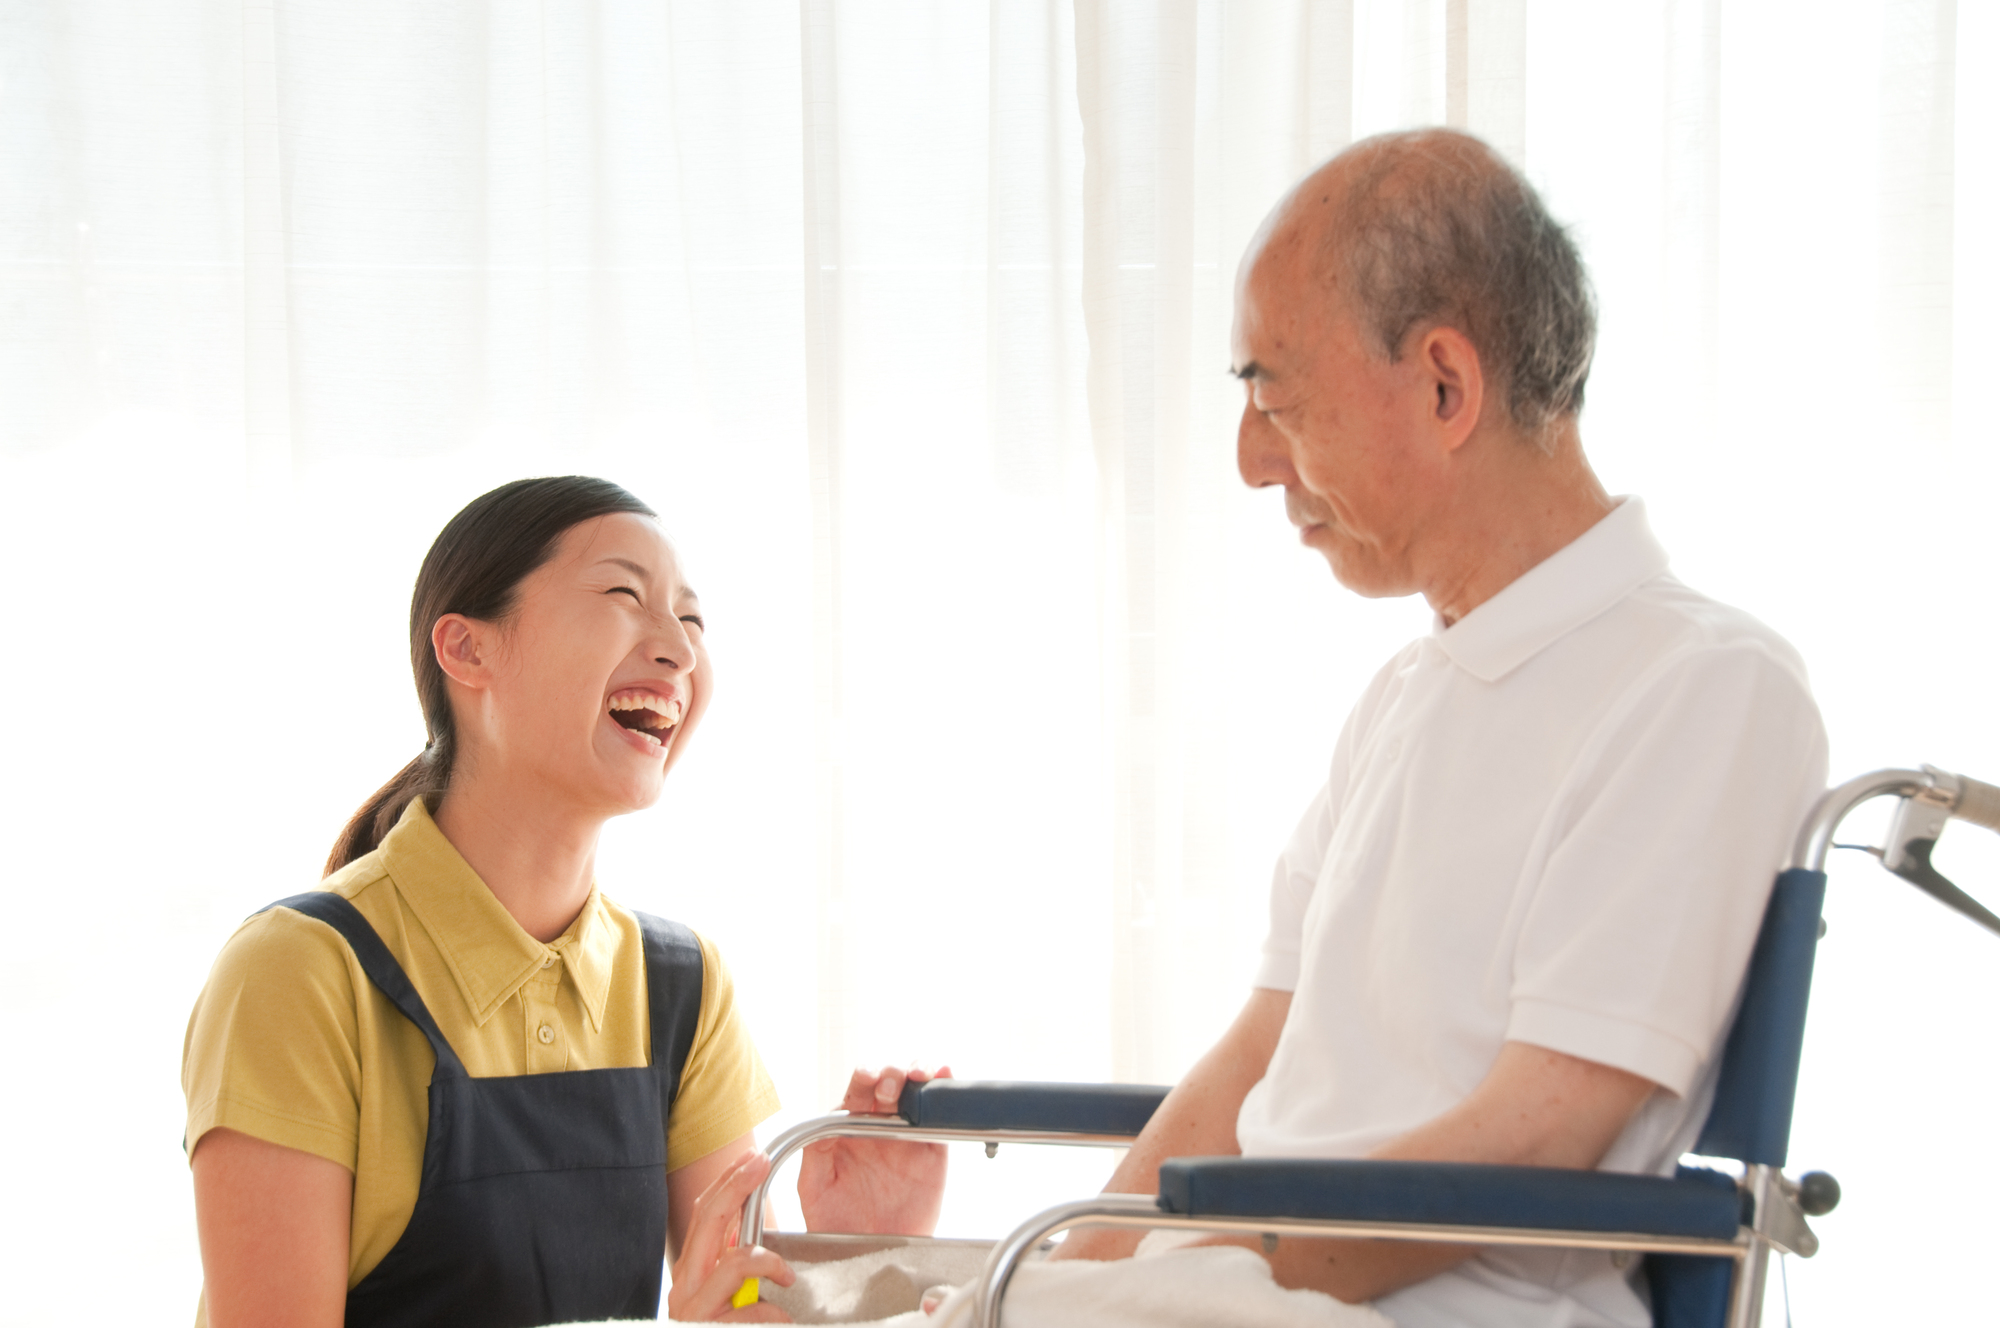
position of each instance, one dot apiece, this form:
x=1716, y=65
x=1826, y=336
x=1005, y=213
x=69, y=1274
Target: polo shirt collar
x=489, y=955
x=1561, y=593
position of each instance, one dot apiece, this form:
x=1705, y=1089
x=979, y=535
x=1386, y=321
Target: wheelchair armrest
x=1695, y=1202
x=974, y=1104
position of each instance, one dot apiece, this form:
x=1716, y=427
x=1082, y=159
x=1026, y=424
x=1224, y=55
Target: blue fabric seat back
x=1752, y=1116
x=1689, y=1290
x=1751, y=1120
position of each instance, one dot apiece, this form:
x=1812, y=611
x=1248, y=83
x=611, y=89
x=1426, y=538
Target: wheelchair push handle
x=1914, y=829
x=1927, y=801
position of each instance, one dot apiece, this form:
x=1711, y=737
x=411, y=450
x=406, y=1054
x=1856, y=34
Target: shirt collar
x=1553, y=598
x=489, y=955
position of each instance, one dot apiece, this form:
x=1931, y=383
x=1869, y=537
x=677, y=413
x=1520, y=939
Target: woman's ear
x=463, y=650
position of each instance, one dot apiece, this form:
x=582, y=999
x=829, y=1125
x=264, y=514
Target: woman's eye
x=624, y=590
x=694, y=619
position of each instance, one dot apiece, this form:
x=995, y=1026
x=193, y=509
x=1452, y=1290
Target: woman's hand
x=712, y=1267
x=874, y=1186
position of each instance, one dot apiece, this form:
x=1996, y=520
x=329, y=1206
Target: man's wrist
x=1101, y=1244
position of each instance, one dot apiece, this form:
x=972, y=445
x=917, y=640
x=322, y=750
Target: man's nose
x=1262, y=457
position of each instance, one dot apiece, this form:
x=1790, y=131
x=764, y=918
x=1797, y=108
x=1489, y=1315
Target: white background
x=912, y=321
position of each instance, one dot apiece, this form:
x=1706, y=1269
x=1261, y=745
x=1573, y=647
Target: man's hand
x=874, y=1186
x=711, y=1266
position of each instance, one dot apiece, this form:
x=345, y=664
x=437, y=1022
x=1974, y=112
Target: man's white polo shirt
x=1554, y=822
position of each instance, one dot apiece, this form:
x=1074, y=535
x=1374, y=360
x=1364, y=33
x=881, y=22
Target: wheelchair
x=1706, y=1234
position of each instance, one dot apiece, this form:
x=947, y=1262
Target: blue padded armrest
x=1694, y=1203
x=975, y=1104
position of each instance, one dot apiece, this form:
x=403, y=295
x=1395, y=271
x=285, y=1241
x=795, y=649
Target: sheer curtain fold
x=819, y=96
x=267, y=341
x=1691, y=161
x=1486, y=71
x=913, y=321
x=1190, y=128
x=1919, y=75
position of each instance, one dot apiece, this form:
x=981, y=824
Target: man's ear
x=1457, y=382
x=463, y=650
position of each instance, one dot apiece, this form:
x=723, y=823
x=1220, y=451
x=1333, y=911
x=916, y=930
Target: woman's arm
x=705, y=1202
x=686, y=1186
x=844, y=1185
x=273, y=1223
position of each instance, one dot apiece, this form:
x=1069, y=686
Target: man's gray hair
x=1438, y=229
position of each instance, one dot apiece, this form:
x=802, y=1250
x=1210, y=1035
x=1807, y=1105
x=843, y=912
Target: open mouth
x=652, y=717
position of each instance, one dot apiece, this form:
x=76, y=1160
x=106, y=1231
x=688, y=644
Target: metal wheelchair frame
x=1767, y=1209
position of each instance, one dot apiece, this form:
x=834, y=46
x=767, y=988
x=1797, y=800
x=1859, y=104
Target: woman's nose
x=671, y=644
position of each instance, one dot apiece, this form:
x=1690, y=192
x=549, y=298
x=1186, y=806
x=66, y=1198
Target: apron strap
x=380, y=966
x=674, y=979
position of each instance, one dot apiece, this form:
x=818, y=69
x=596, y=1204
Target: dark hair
x=474, y=567
x=1437, y=227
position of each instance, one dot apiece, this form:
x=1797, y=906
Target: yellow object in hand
x=745, y=1294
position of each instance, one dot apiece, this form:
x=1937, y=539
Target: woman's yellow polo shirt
x=290, y=1041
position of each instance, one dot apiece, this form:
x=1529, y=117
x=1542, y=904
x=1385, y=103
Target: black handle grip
x=1819, y=1194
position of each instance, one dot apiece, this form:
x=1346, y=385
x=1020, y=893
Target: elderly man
x=1513, y=925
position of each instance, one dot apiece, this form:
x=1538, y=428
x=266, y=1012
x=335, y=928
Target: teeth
x=669, y=708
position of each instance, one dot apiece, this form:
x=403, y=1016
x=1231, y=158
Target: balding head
x=1414, y=230
x=1413, y=333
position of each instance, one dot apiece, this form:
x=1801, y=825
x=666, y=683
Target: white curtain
x=911, y=319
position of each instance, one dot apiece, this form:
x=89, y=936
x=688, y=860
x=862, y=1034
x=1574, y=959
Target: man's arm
x=1536, y=1108
x=1198, y=1119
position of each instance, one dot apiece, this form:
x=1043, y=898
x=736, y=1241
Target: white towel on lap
x=1215, y=1286
x=1211, y=1286
x=874, y=1287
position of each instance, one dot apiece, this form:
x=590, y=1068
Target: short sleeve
x=1664, y=847
x=271, y=1047
x=725, y=1090
x=1292, y=882
x=1297, y=872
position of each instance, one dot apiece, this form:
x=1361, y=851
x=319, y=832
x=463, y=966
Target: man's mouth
x=651, y=716
x=1303, y=511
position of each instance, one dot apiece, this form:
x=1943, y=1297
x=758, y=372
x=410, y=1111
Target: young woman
x=457, y=1084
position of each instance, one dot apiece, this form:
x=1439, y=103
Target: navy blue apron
x=544, y=1197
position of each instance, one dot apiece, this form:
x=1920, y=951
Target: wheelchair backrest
x=1751, y=1120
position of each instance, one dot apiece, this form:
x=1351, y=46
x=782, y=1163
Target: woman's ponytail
x=473, y=568
x=378, y=815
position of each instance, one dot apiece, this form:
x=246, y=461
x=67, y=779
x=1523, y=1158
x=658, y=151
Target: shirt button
x=548, y=959
x=546, y=1034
